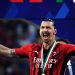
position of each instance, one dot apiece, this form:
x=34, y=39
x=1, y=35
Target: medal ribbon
x=50, y=51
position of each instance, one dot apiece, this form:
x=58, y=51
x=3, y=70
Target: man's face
x=47, y=31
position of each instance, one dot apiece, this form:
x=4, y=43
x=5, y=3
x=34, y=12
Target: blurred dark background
x=16, y=33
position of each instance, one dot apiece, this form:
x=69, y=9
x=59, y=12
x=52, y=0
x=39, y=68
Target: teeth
x=45, y=34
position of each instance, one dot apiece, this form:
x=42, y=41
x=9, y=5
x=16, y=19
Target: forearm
x=6, y=51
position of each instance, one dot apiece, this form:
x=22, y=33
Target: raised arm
x=6, y=51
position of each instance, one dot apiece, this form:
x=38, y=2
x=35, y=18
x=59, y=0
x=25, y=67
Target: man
x=48, y=58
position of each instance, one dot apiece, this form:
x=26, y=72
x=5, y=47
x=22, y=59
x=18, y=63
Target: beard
x=46, y=40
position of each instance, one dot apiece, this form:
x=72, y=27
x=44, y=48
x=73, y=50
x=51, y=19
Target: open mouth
x=46, y=35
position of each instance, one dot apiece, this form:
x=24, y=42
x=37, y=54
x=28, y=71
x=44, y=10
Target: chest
x=55, y=57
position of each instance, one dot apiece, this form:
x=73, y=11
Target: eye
x=42, y=27
x=48, y=27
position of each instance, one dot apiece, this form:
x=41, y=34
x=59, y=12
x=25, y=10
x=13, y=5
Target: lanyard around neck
x=48, y=55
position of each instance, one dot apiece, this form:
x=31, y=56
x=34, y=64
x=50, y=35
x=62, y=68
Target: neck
x=47, y=45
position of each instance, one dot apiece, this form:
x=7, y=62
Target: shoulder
x=33, y=46
x=67, y=46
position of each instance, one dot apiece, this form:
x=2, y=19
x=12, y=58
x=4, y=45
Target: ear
x=55, y=31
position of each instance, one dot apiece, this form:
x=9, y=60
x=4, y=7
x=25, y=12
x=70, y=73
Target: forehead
x=46, y=23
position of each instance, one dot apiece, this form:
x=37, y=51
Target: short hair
x=50, y=20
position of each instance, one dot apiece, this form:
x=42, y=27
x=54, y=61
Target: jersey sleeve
x=70, y=49
x=25, y=50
